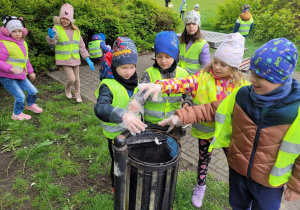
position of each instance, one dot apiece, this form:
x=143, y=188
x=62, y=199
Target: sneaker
x=78, y=98
x=68, y=93
x=198, y=195
x=20, y=116
x=34, y=108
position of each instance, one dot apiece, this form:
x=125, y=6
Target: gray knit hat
x=124, y=52
x=193, y=17
x=231, y=50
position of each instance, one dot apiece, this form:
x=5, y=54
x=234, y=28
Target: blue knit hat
x=275, y=61
x=167, y=42
x=124, y=52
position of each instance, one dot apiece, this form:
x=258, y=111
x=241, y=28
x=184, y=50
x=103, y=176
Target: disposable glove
x=91, y=64
x=51, y=33
x=151, y=88
x=134, y=106
x=133, y=123
x=173, y=121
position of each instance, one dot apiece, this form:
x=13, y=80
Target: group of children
x=255, y=124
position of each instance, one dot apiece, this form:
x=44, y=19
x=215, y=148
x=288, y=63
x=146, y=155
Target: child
x=182, y=9
x=214, y=83
x=260, y=125
x=244, y=23
x=196, y=8
x=105, y=71
x=165, y=67
x=193, y=49
x=114, y=94
x=15, y=65
x=95, y=49
x=68, y=44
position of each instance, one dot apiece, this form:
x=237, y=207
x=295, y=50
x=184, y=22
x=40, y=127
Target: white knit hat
x=13, y=24
x=193, y=17
x=231, y=50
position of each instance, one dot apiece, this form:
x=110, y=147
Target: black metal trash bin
x=145, y=170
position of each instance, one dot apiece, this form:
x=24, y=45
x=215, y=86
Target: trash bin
x=145, y=170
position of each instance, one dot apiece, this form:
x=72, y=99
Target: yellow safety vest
x=157, y=111
x=94, y=49
x=64, y=48
x=120, y=99
x=289, y=149
x=16, y=57
x=245, y=26
x=183, y=8
x=198, y=12
x=190, y=60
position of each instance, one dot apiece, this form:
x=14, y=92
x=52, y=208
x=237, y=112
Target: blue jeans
x=245, y=193
x=16, y=87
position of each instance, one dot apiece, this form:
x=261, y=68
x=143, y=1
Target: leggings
x=110, y=148
x=204, y=159
x=73, y=78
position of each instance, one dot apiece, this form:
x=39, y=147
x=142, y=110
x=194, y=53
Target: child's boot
x=68, y=92
x=78, y=98
x=20, y=116
x=34, y=108
x=198, y=195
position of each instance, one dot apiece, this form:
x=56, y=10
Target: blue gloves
x=91, y=64
x=51, y=33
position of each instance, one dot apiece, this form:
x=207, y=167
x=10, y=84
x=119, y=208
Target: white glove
x=173, y=121
x=134, y=107
x=133, y=123
x=151, y=88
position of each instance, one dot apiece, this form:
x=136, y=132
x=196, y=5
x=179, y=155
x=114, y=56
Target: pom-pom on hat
x=124, y=52
x=193, y=17
x=231, y=50
x=167, y=42
x=12, y=23
x=275, y=61
x=67, y=11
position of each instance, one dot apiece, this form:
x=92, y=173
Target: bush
x=272, y=18
x=139, y=20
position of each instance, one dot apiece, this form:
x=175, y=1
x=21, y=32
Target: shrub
x=140, y=20
x=272, y=18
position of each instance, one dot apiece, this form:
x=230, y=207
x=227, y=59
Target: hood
x=8, y=38
x=245, y=16
x=183, y=1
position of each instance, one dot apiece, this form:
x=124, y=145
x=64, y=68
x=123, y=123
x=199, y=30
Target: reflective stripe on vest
x=289, y=151
x=94, y=49
x=64, y=48
x=154, y=111
x=16, y=57
x=183, y=8
x=206, y=93
x=120, y=99
x=245, y=26
x=190, y=60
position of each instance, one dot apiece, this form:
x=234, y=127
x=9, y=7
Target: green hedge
x=272, y=18
x=140, y=20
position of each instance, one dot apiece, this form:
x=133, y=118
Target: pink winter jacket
x=72, y=61
x=6, y=67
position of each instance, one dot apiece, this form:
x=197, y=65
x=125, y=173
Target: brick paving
x=218, y=166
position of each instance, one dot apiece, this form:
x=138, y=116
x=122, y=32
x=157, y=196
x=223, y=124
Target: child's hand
x=16, y=70
x=173, y=121
x=134, y=106
x=91, y=64
x=133, y=123
x=291, y=195
x=51, y=33
x=151, y=88
x=32, y=76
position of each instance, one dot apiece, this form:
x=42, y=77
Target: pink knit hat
x=67, y=11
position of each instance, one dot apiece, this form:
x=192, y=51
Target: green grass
x=59, y=159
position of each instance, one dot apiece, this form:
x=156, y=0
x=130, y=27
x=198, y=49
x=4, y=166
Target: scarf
x=130, y=83
x=169, y=70
x=269, y=99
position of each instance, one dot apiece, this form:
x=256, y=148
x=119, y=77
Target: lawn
x=59, y=159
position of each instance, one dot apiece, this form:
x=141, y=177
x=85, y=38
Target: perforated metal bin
x=145, y=170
